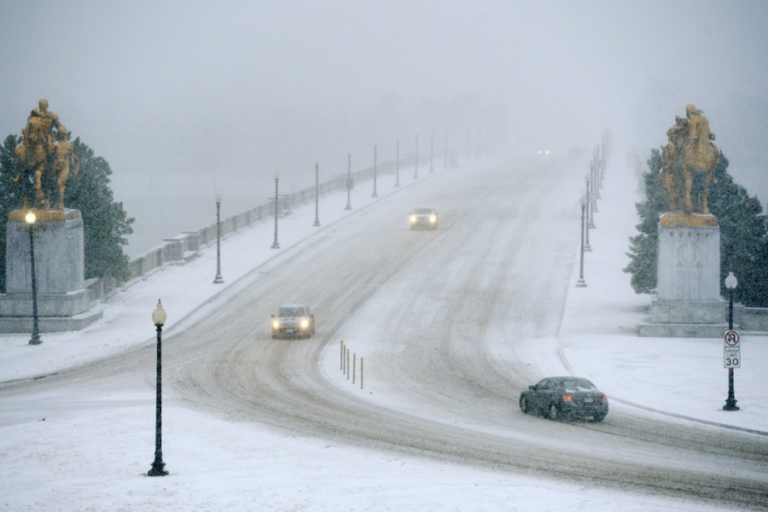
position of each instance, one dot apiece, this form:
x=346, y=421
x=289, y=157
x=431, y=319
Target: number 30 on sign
x=732, y=357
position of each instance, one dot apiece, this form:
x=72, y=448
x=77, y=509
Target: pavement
x=680, y=378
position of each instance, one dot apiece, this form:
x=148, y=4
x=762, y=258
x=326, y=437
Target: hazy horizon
x=189, y=99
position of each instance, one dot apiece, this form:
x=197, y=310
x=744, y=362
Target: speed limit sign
x=732, y=350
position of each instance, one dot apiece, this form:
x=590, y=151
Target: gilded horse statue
x=43, y=151
x=688, y=163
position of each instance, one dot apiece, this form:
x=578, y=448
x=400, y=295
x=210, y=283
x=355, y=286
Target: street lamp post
x=276, y=244
x=591, y=205
x=469, y=144
x=349, y=182
x=397, y=163
x=598, y=175
x=30, y=219
x=730, y=283
x=374, y=172
x=317, y=195
x=588, y=220
x=595, y=182
x=416, y=160
x=158, y=466
x=446, y=150
x=581, y=283
x=432, y=152
x=218, y=279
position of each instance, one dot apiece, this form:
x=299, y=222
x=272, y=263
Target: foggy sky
x=186, y=99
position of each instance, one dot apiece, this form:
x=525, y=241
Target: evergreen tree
x=12, y=191
x=105, y=222
x=743, y=235
x=743, y=238
x=644, y=247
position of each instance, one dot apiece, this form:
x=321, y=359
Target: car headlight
x=304, y=323
x=432, y=218
x=275, y=324
x=413, y=219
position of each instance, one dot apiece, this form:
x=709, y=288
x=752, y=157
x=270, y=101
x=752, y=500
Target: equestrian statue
x=45, y=150
x=688, y=163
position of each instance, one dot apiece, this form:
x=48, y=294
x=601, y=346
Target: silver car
x=293, y=321
x=423, y=217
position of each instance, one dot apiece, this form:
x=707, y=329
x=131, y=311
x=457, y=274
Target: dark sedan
x=565, y=397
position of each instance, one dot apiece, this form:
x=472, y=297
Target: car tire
x=524, y=405
x=554, y=413
x=599, y=417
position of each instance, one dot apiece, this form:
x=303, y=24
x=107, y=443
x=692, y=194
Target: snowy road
x=453, y=324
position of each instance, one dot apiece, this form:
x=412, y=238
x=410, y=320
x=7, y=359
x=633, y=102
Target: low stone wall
x=751, y=319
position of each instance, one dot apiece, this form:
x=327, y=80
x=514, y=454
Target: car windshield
x=423, y=211
x=290, y=311
x=578, y=385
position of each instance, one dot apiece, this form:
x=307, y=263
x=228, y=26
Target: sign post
x=731, y=360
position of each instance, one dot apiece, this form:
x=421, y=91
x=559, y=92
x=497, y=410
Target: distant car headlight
x=432, y=218
x=275, y=324
x=304, y=323
x=413, y=219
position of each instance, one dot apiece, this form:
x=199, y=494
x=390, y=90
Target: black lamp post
x=431, y=152
x=276, y=244
x=218, y=279
x=158, y=318
x=317, y=196
x=397, y=163
x=469, y=144
x=416, y=160
x=30, y=219
x=446, y=150
x=595, y=181
x=349, y=182
x=590, y=205
x=598, y=176
x=730, y=283
x=374, y=173
x=587, y=220
x=581, y=283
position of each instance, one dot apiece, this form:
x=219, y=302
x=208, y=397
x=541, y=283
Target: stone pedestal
x=62, y=300
x=688, y=302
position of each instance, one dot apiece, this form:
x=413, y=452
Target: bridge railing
x=186, y=246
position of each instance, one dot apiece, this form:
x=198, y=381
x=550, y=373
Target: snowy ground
x=90, y=449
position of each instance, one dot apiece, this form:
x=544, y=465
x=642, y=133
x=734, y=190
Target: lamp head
x=731, y=282
x=583, y=201
x=30, y=218
x=159, y=315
